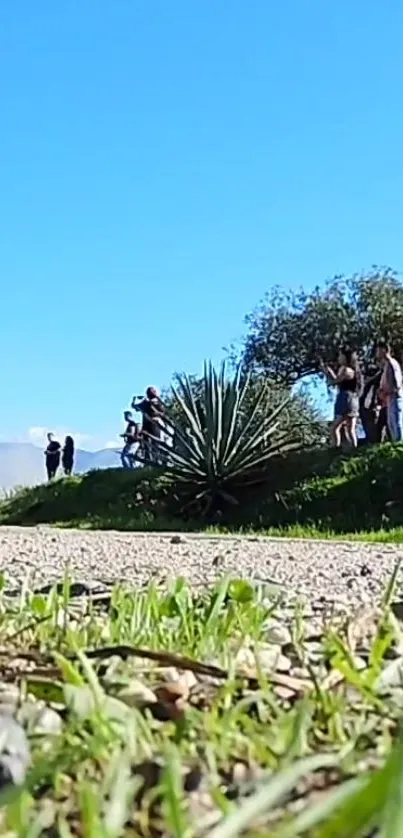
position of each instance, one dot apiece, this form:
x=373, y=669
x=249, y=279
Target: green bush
x=356, y=493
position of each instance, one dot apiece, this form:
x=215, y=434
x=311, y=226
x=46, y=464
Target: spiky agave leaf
x=220, y=446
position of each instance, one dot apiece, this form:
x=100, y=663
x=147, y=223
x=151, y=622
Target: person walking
x=52, y=456
x=348, y=380
x=68, y=456
x=131, y=440
x=391, y=390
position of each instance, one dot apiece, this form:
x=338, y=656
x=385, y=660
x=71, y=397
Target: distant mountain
x=23, y=464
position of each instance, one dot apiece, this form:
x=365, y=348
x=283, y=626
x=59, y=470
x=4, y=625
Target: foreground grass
x=211, y=713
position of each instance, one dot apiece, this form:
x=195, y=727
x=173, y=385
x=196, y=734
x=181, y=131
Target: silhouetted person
x=370, y=408
x=373, y=410
x=152, y=411
x=68, y=456
x=52, y=456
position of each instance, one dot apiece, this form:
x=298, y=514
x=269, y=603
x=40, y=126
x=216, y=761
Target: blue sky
x=164, y=163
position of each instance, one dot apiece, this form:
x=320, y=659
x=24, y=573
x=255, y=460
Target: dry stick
x=297, y=685
x=31, y=625
x=170, y=659
x=166, y=658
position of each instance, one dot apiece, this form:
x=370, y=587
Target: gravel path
x=335, y=571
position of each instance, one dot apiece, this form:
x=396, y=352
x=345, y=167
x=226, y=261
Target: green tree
x=291, y=331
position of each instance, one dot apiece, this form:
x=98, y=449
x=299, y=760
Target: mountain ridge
x=23, y=464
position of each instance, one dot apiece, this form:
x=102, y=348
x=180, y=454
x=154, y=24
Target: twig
x=33, y=624
x=165, y=658
x=297, y=685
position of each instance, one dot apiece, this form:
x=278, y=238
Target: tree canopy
x=292, y=330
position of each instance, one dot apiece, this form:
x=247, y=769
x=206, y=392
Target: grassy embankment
x=308, y=494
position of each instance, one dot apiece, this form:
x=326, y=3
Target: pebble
x=135, y=694
x=266, y=658
x=14, y=752
x=138, y=557
x=276, y=633
x=39, y=719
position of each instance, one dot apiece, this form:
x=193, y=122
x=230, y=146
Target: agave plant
x=219, y=446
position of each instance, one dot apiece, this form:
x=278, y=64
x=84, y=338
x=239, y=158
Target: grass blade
x=270, y=795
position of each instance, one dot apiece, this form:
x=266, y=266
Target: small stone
x=245, y=772
x=177, y=539
x=397, y=608
x=9, y=698
x=300, y=672
x=283, y=664
x=172, y=691
x=359, y=663
x=283, y=692
x=267, y=659
x=40, y=719
x=172, y=675
x=135, y=694
x=277, y=633
x=14, y=752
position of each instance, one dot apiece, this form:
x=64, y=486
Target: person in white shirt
x=391, y=390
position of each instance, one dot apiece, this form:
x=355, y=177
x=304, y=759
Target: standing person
x=370, y=409
x=52, y=456
x=152, y=411
x=391, y=390
x=68, y=456
x=131, y=440
x=348, y=380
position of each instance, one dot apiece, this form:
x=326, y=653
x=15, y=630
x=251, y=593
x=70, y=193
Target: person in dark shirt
x=68, y=456
x=369, y=406
x=152, y=411
x=131, y=440
x=52, y=456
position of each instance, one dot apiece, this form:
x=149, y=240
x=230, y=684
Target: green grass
x=109, y=499
x=173, y=712
x=299, y=531
x=310, y=494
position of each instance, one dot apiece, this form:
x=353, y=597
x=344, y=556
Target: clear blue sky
x=162, y=164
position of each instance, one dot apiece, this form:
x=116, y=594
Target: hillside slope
x=318, y=489
x=104, y=499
